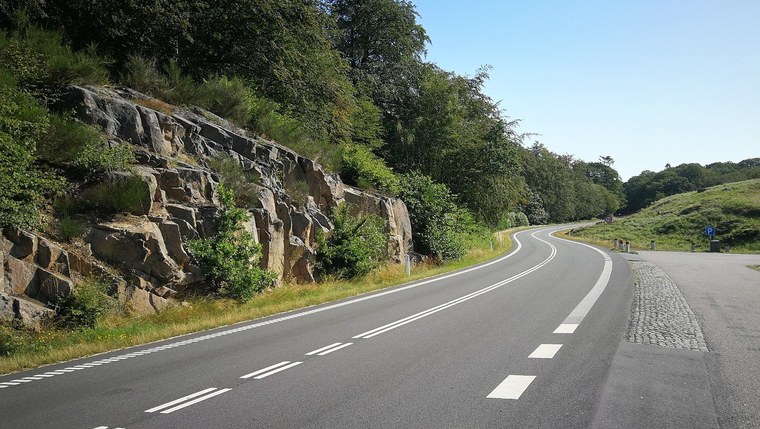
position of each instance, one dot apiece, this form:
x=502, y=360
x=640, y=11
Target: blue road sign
x=710, y=230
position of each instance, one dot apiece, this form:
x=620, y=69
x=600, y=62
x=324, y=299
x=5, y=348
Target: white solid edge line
x=512, y=387
x=195, y=401
x=313, y=352
x=326, y=352
x=545, y=351
x=177, y=401
x=277, y=365
x=277, y=370
x=566, y=328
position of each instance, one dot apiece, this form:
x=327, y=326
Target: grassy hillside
x=675, y=222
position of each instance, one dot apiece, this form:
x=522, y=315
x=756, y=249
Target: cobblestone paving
x=660, y=315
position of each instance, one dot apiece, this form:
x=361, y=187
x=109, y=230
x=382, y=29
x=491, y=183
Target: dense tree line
x=648, y=187
x=351, y=74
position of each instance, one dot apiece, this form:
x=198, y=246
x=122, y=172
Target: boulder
x=2, y=271
x=33, y=314
x=136, y=244
x=6, y=307
x=21, y=277
x=52, y=285
x=53, y=257
x=23, y=243
x=173, y=240
x=141, y=301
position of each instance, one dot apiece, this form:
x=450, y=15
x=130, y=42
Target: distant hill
x=675, y=222
x=648, y=187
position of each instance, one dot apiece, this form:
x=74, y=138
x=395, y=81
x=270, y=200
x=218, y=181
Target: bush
x=439, y=225
x=84, y=305
x=353, y=248
x=363, y=168
x=513, y=220
x=229, y=259
x=10, y=341
x=43, y=64
x=141, y=74
x=233, y=178
x=82, y=149
x=22, y=123
x=119, y=193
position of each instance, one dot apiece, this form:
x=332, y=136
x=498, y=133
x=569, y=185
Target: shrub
x=229, y=259
x=22, y=123
x=84, y=305
x=228, y=98
x=513, y=220
x=353, y=248
x=142, y=75
x=233, y=178
x=10, y=341
x=363, y=168
x=70, y=228
x=119, y=193
x=82, y=149
x=43, y=64
x=439, y=225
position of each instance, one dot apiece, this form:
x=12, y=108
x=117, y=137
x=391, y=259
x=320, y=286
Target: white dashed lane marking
x=274, y=369
x=512, y=387
x=566, y=328
x=545, y=351
x=313, y=352
x=188, y=400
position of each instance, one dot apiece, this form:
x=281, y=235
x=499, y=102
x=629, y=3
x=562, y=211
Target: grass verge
x=754, y=267
x=115, y=331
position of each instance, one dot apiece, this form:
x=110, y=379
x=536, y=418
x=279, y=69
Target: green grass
x=28, y=349
x=679, y=220
x=754, y=267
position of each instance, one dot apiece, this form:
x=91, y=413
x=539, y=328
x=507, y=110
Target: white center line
x=334, y=349
x=195, y=401
x=428, y=312
x=275, y=371
x=182, y=399
x=512, y=387
x=313, y=352
x=269, y=368
x=545, y=351
x=566, y=328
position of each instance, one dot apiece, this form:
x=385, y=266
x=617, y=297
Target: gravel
x=660, y=315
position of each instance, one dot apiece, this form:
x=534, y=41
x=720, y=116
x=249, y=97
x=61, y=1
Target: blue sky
x=647, y=82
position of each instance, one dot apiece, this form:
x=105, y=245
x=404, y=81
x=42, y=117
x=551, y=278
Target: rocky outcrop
x=144, y=254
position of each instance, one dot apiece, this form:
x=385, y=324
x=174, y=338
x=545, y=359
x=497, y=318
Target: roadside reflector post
x=408, y=261
x=628, y=247
x=651, y=245
x=491, y=241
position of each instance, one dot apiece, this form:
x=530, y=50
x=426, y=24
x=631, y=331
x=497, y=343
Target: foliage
x=513, y=220
x=22, y=124
x=241, y=183
x=438, y=223
x=125, y=193
x=82, y=149
x=230, y=258
x=363, y=168
x=534, y=210
x=353, y=248
x=647, y=187
x=383, y=45
x=676, y=221
x=42, y=64
x=82, y=307
x=452, y=132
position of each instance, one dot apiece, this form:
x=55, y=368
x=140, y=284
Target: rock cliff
x=144, y=254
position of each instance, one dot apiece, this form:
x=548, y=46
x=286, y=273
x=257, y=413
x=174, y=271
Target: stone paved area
x=660, y=315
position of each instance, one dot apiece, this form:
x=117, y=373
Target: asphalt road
x=526, y=341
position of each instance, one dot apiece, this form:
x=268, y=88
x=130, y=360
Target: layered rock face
x=148, y=248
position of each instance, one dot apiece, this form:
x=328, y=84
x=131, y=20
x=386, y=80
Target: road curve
x=523, y=341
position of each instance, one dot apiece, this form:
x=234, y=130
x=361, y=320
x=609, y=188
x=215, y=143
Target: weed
x=84, y=305
x=119, y=193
